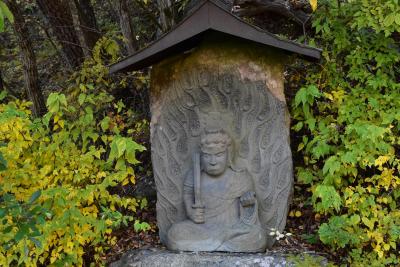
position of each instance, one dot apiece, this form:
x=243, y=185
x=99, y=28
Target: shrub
x=348, y=114
x=55, y=199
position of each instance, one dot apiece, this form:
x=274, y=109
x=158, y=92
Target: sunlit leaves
x=55, y=187
x=348, y=116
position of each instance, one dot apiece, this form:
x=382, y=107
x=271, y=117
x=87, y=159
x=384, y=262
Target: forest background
x=75, y=175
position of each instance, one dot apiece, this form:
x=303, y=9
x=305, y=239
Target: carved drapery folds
x=252, y=113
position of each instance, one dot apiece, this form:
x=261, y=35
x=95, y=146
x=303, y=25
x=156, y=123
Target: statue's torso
x=221, y=197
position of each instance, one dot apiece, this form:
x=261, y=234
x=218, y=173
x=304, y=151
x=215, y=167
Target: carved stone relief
x=252, y=115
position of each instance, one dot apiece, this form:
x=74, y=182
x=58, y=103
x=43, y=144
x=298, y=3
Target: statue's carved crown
x=214, y=138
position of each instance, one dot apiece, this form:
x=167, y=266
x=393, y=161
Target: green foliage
x=5, y=13
x=305, y=260
x=55, y=199
x=348, y=113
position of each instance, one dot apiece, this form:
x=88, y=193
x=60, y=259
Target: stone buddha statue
x=220, y=203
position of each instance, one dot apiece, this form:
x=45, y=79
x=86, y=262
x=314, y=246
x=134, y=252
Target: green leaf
x=2, y=213
x=311, y=123
x=36, y=242
x=389, y=20
x=298, y=126
x=326, y=197
x=35, y=196
x=131, y=148
x=397, y=19
x=143, y=203
x=141, y=226
x=81, y=99
x=306, y=95
x=55, y=101
x=335, y=232
x=1, y=20
x=368, y=222
x=3, y=163
x=6, y=12
x=105, y=123
x=118, y=147
x=331, y=166
x=305, y=176
x=22, y=232
x=355, y=219
x=320, y=149
x=120, y=165
x=46, y=119
x=3, y=94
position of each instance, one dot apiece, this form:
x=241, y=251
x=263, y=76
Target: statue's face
x=214, y=164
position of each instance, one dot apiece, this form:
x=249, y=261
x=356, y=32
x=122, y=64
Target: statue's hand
x=197, y=215
x=248, y=199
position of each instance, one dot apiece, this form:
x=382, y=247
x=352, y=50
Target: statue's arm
x=194, y=214
x=248, y=198
x=248, y=202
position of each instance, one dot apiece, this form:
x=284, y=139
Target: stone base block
x=161, y=258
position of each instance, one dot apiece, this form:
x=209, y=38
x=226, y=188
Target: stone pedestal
x=243, y=84
x=163, y=258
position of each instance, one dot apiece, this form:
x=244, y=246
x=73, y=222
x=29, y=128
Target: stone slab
x=161, y=258
x=234, y=88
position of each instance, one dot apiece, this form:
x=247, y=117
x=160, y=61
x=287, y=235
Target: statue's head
x=214, y=151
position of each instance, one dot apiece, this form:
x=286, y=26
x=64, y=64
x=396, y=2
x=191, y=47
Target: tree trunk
x=87, y=23
x=166, y=15
x=59, y=16
x=126, y=27
x=28, y=59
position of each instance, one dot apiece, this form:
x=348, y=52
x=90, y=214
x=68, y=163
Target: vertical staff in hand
x=198, y=203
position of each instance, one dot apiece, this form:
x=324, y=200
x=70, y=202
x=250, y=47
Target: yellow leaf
x=298, y=213
x=90, y=199
x=70, y=244
x=381, y=160
x=300, y=147
x=313, y=4
x=329, y=96
x=132, y=179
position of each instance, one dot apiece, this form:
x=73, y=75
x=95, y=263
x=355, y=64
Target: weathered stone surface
x=240, y=87
x=162, y=258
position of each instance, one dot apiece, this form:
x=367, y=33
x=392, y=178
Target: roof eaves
x=208, y=15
